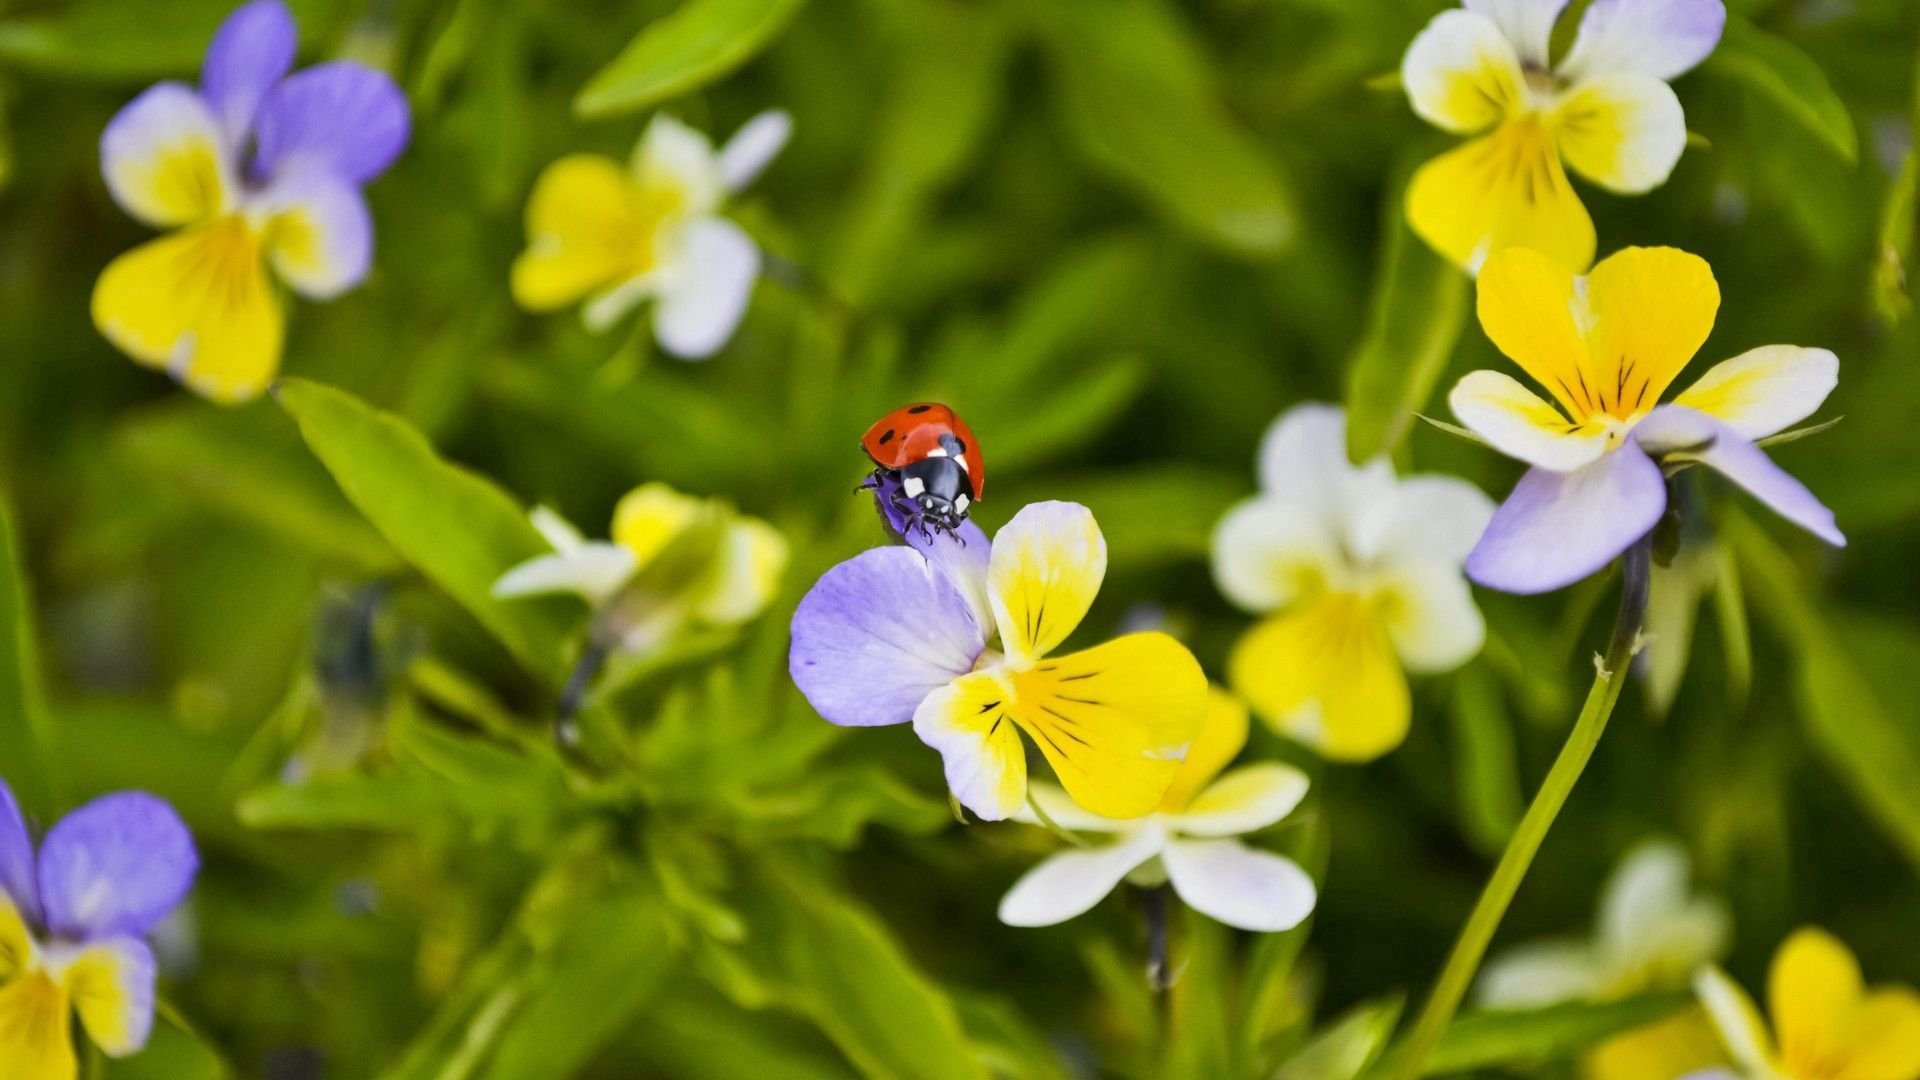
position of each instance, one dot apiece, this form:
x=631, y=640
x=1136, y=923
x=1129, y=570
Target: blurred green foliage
x=1120, y=237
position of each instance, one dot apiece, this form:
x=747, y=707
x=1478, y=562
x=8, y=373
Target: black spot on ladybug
x=887, y=438
x=918, y=409
x=961, y=443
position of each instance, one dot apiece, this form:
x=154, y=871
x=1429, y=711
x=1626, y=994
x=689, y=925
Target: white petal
x=607, y=306
x=746, y=573
x=594, y=571
x=704, y=297
x=671, y=154
x=1539, y=974
x=1764, y=390
x=1526, y=23
x=1623, y=131
x=1734, y=1016
x=1461, y=73
x=1650, y=925
x=1429, y=611
x=1064, y=812
x=1248, y=798
x=1661, y=38
x=1519, y=424
x=753, y=147
x=1303, y=461
x=1422, y=517
x=1266, y=552
x=1230, y=882
x=1071, y=882
x=557, y=530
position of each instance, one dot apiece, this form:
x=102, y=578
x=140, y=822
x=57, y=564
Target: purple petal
x=116, y=866
x=16, y=857
x=1661, y=38
x=877, y=634
x=961, y=556
x=344, y=117
x=1557, y=528
x=322, y=236
x=252, y=51
x=1676, y=428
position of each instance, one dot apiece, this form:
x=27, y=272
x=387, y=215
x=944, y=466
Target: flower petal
x=1325, y=674
x=111, y=984
x=1534, y=309
x=1429, y=612
x=1064, y=812
x=1421, y=517
x=1886, y=1039
x=1677, y=432
x=18, y=952
x=116, y=866
x=17, y=879
x=1303, y=462
x=1764, y=390
x=1505, y=189
x=676, y=163
x=1114, y=720
x=1813, y=990
x=1557, y=528
x=1247, y=799
x=593, y=571
x=34, y=1039
x=877, y=634
x=1500, y=409
x=647, y=518
x=319, y=236
x=1268, y=552
x=583, y=233
x=1661, y=38
x=1222, y=735
x=342, y=116
x=164, y=159
x=745, y=575
x=1683, y=1046
x=1652, y=309
x=1736, y=1020
x=1624, y=132
x=1526, y=23
x=1232, y=883
x=1072, y=882
x=1539, y=974
x=1462, y=74
x=704, y=289
x=252, y=50
x=753, y=147
x=1046, y=566
x=556, y=530
x=967, y=720
x=1653, y=931
x=198, y=305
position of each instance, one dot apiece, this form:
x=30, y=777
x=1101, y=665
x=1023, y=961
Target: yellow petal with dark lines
x=1505, y=189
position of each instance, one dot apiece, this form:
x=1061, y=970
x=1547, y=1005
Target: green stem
x=1464, y=963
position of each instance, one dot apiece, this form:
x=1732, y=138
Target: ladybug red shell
x=914, y=433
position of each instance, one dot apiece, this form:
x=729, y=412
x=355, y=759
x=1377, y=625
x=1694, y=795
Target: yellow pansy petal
x=111, y=984
x=1222, y=734
x=1886, y=1042
x=1514, y=421
x=651, y=515
x=1502, y=190
x=1813, y=989
x=745, y=575
x=1682, y=1044
x=1531, y=307
x=1764, y=390
x=1249, y=798
x=1735, y=1019
x=1652, y=310
x=1046, y=566
x=971, y=722
x=1462, y=74
x=34, y=1039
x=16, y=942
x=162, y=159
x=584, y=232
x=1114, y=720
x=198, y=304
x=1624, y=132
x=1326, y=675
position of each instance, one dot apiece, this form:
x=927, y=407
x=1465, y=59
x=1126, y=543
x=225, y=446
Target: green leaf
x=1138, y=99
x=453, y=525
x=1346, y=1048
x=1418, y=310
x=1787, y=81
x=1486, y=1040
x=23, y=716
x=701, y=41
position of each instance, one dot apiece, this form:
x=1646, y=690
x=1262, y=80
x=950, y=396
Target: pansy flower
x=960, y=639
x=258, y=173
x=616, y=235
x=731, y=582
x=1356, y=573
x=1605, y=110
x=1189, y=841
x=1605, y=347
x=1827, y=1024
x=74, y=918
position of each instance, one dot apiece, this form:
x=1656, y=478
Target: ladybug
x=934, y=458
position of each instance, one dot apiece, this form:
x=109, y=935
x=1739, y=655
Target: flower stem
x=1159, y=971
x=1464, y=963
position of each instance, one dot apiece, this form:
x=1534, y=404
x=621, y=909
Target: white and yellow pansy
x=1605, y=110
x=961, y=641
x=1189, y=841
x=615, y=235
x=1356, y=573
